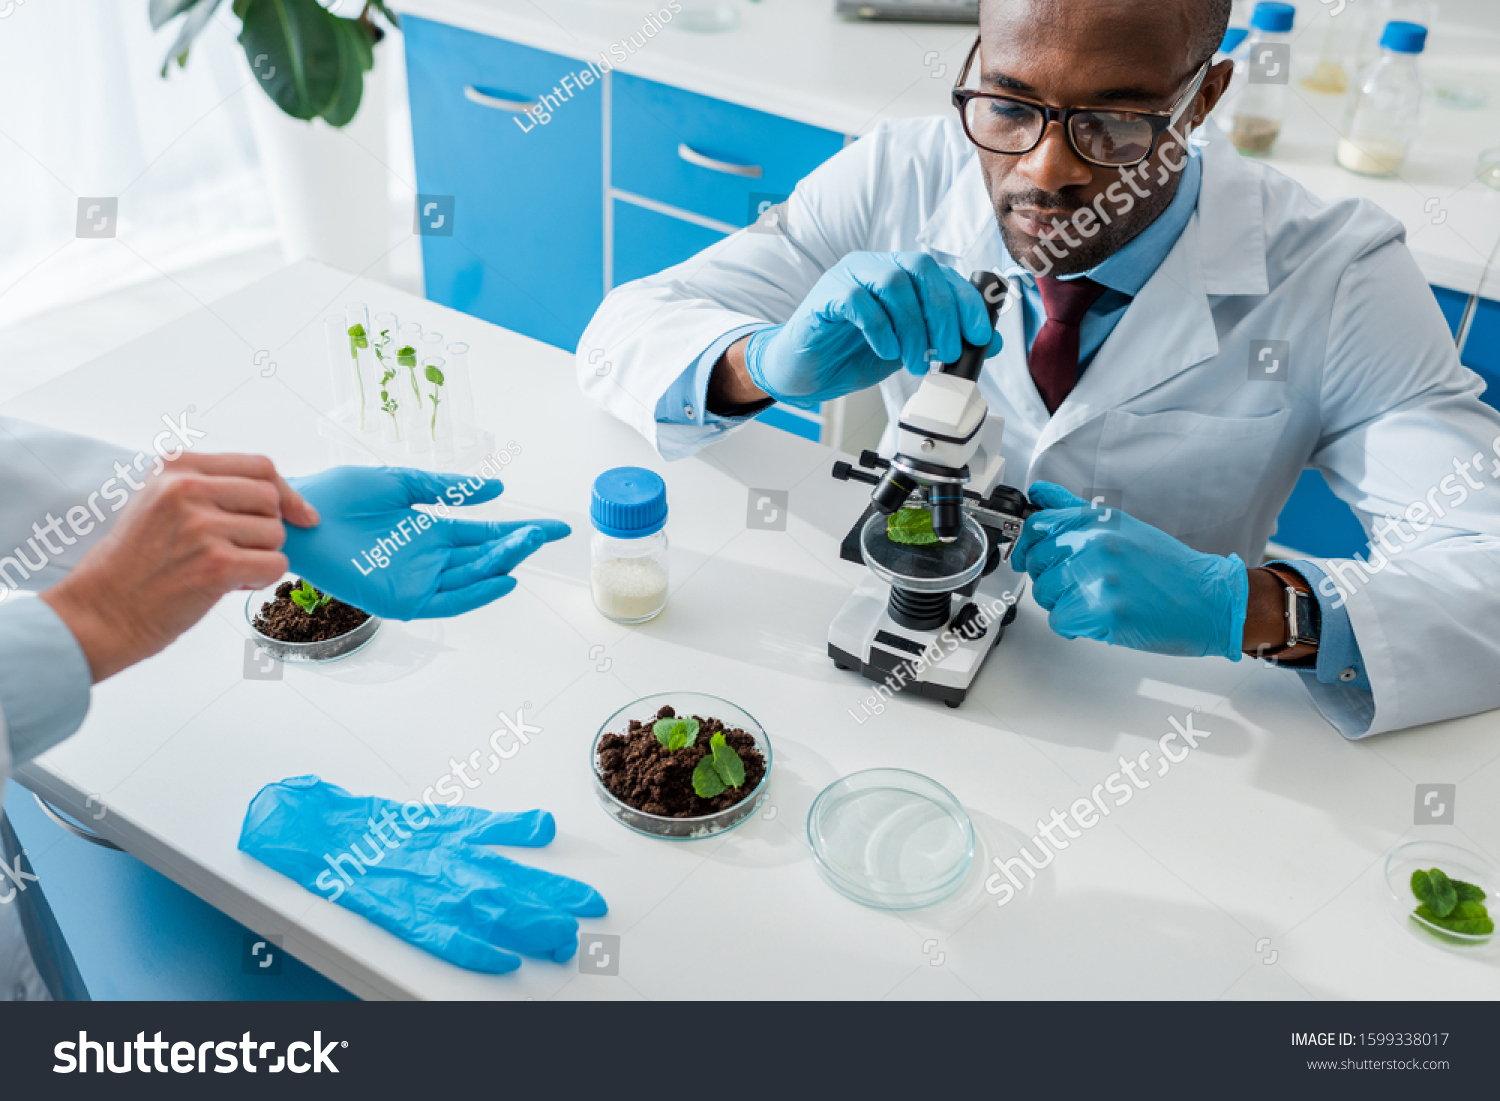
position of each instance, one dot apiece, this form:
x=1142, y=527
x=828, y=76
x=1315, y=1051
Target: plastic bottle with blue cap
x=1266, y=73
x=628, y=570
x=1387, y=108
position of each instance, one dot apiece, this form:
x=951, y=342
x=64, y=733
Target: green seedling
x=435, y=377
x=911, y=526
x=358, y=339
x=308, y=598
x=720, y=769
x=1450, y=904
x=406, y=356
x=387, y=399
x=676, y=734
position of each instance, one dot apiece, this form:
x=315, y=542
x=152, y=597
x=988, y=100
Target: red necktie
x=1054, y=353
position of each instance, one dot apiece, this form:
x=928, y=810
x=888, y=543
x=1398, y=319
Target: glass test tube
x=360, y=361
x=461, y=397
x=336, y=336
x=439, y=409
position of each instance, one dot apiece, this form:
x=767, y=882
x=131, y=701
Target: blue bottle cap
x=1404, y=38
x=1273, y=17
x=1232, y=39
x=629, y=502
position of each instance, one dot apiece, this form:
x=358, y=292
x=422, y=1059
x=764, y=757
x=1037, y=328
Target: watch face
x=1305, y=627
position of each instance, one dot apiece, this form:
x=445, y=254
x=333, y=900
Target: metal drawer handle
x=692, y=156
x=484, y=99
x=75, y=830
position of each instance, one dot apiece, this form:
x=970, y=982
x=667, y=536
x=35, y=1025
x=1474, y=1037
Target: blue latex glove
x=1106, y=575
x=428, y=881
x=446, y=568
x=869, y=315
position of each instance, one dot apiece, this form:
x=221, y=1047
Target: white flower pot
x=328, y=186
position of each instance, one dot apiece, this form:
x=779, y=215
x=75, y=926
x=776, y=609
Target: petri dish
x=931, y=568
x=890, y=839
x=1457, y=863
x=681, y=829
x=329, y=649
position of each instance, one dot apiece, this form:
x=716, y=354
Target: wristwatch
x=1304, y=627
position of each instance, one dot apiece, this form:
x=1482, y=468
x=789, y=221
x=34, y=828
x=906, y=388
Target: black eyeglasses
x=1112, y=139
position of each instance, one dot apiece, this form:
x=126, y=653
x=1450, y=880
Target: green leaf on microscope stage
x=911, y=526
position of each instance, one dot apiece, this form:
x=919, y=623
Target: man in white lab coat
x=1191, y=330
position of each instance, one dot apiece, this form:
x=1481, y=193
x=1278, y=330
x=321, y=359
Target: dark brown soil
x=284, y=621
x=642, y=773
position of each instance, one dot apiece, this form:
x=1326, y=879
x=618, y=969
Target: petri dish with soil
x=320, y=628
x=648, y=786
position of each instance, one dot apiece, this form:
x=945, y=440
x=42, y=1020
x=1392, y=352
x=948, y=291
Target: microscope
x=927, y=614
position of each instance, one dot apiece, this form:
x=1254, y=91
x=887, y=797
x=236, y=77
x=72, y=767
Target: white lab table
x=1253, y=869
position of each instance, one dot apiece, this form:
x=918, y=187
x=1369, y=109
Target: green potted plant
x=311, y=62
x=323, y=157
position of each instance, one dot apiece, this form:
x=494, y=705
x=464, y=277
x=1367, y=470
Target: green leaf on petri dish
x=706, y=779
x=676, y=734
x=726, y=761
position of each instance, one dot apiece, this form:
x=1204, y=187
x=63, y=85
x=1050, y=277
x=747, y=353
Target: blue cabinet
x=1481, y=351
x=525, y=245
x=714, y=159
x=646, y=241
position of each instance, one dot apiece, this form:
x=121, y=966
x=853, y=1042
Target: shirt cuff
x=1339, y=661
x=44, y=678
x=686, y=400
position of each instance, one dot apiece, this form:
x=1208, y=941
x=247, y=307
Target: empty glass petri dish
x=890, y=839
x=329, y=649
x=1456, y=863
x=927, y=568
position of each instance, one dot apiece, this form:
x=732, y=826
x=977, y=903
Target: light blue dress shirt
x=1123, y=275
x=44, y=678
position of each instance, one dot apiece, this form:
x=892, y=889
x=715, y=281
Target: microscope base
x=865, y=638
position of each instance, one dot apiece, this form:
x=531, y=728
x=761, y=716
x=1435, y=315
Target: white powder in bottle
x=629, y=590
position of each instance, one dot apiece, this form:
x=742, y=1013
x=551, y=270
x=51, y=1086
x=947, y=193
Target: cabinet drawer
x=525, y=247
x=647, y=241
x=704, y=155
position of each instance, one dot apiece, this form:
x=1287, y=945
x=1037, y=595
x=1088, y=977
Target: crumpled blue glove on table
x=424, y=875
x=432, y=567
x=868, y=316
x=1105, y=575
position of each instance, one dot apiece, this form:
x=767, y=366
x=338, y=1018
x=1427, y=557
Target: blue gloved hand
x=372, y=550
x=1106, y=575
x=419, y=871
x=869, y=315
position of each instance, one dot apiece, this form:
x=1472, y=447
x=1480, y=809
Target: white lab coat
x=1166, y=414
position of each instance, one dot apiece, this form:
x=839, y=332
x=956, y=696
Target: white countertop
x=796, y=59
x=1266, y=843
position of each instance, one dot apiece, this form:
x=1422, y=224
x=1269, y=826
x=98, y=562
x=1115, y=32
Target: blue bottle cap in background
x=629, y=502
x=1404, y=38
x=1232, y=39
x=1273, y=17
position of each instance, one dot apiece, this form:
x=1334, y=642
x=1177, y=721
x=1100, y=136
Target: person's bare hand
x=205, y=526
